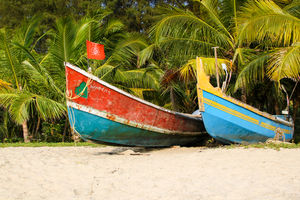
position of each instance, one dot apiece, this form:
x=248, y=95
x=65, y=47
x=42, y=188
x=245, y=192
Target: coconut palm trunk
x=25, y=132
x=24, y=125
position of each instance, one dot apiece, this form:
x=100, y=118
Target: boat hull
x=103, y=113
x=230, y=123
x=102, y=130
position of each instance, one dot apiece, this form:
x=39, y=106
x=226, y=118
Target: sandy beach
x=112, y=173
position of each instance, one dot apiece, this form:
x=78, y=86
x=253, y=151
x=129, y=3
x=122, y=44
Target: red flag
x=95, y=50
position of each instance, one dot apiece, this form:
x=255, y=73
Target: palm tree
x=182, y=35
x=265, y=20
x=274, y=30
x=232, y=26
x=280, y=25
x=31, y=85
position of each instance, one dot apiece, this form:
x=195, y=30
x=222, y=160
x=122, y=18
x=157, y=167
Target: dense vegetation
x=150, y=48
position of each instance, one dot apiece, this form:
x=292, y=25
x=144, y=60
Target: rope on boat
x=279, y=134
x=72, y=123
x=69, y=94
x=276, y=139
x=71, y=111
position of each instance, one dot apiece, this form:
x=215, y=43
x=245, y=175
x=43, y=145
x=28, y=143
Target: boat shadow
x=134, y=151
x=205, y=141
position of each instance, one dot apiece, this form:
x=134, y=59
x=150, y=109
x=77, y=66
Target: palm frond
x=252, y=72
x=19, y=104
x=40, y=76
x=27, y=32
x=285, y=63
x=143, y=78
x=104, y=70
x=293, y=8
x=139, y=92
x=127, y=49
x=113, y=26
x=69, y=39
x=81, y=34
x=213, y=11
x=146, y=54
x=9, y=58
x=49, y=109
x=189, y=34
x=189, y=69
x=265, y=19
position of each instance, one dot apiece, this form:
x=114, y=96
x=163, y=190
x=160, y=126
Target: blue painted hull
x=228, y=122
x=102, y=130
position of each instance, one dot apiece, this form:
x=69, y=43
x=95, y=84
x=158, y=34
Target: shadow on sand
x=206, y=141
x=130, y=151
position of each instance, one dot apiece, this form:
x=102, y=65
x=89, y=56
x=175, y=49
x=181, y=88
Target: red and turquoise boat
x=103, y=113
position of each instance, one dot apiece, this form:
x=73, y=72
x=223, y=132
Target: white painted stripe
x=125, y=121
x=95, y=78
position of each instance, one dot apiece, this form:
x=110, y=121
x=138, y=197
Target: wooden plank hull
x=231, y=121
x=101, y=112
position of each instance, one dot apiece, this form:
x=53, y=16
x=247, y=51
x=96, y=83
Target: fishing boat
x=231, y=121
x=102, y=113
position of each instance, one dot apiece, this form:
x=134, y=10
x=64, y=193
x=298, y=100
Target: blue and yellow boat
x=231, y=121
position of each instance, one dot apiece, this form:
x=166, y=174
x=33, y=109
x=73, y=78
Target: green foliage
x=51, y=132
x=150, y=49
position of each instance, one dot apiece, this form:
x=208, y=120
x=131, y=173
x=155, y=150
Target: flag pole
x=88, y=64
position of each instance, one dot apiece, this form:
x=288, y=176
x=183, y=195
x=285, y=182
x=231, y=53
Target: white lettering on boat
x=102, y=89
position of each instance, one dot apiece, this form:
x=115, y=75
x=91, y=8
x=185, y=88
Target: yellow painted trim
x=273, y=128
x=230, y=111
x=200, y=100
x=204, y=84
x=268, y=126
x=242, y=116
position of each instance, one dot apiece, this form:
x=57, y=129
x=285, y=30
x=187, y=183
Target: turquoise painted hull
x=102, y=130
x=230, y=123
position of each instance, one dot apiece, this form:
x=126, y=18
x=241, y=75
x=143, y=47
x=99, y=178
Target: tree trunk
x=24, y=125
x=276, y=108
x=37, y=127
x=295, y=108
x=25, y=132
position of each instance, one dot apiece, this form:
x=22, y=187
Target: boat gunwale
x=95, y=78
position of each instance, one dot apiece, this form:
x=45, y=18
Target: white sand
x=113, y=173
